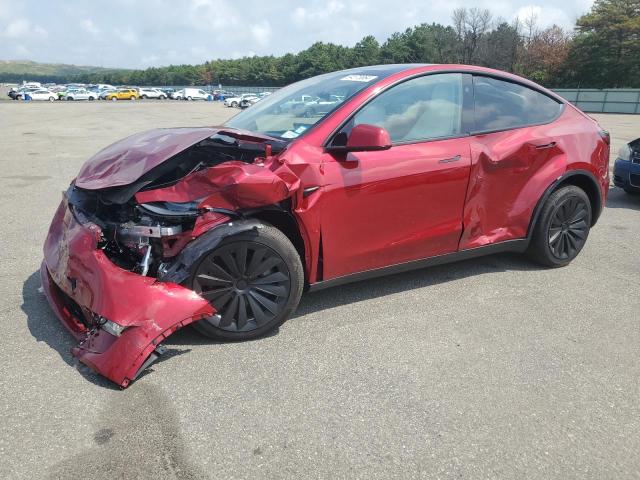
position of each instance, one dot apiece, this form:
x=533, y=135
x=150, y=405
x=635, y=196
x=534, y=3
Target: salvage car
x=626, y=169
x=224, y=227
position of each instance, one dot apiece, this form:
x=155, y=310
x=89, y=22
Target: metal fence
x=619, y=100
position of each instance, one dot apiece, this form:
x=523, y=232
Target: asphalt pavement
x=489, y=368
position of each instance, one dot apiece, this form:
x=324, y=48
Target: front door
x=387, y=207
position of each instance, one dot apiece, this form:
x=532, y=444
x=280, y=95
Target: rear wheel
x=132, y=97
x=52, y=99
x=562, y=228
x=234, y=104
x=254, y=280
x=114, y=99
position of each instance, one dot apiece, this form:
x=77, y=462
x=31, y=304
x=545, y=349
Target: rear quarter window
x=502, y=105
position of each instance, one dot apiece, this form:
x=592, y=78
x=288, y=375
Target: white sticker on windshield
x=300, y=129
x=359, y=78
x=289, y=134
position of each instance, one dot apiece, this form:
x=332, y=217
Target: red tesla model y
x=341, y=177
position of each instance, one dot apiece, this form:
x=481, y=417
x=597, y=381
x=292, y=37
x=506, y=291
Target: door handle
x=450, y=159
x=546, y=145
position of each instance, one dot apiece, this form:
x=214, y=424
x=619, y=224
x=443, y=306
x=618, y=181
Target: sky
x=144, y=33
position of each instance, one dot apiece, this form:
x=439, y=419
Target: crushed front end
x=119, y=316
x=129, y=228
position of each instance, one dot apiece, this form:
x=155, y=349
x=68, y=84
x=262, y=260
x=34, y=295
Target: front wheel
x=52, y=99
x=132, y=98
x=562, y=228
x=114, y=99
x=254, y=281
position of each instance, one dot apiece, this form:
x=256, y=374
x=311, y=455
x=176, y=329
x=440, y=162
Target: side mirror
x=363, y=138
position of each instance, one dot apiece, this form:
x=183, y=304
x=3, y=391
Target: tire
x=51, y=99
x=162, y=97
x=234, y=104
x=132, y=98
x=266, y=304
x=91, y=99
x=190, y=99
x=114, y=99
x=562, y=228
x=144, y=97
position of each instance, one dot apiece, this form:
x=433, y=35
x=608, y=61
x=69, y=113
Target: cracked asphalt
x=490, y=368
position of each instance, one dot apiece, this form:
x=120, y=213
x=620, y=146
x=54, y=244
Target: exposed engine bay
x=143, y=236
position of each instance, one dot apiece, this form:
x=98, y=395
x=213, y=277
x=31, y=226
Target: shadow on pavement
x=618, y=198
x=45, y=327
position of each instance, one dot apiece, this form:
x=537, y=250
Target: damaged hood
x=125, y=161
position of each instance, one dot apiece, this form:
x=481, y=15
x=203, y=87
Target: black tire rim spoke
x=568, y=228
x=247, y=283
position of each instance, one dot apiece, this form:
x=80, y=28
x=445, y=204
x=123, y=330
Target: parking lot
x=487, y=368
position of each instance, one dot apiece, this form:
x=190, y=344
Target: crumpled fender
x=184, y=264
x=231, y=185
x=74, y=267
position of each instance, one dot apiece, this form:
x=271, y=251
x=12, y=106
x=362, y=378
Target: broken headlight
x=111, y=327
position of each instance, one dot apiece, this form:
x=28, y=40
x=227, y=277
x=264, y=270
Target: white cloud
x=89, y=27
x=261, y=33
x=18, y=28
x=127, y=36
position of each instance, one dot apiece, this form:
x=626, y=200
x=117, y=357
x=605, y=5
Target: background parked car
x=626, y=170
x=123, y=94
x=247, y=102
x=81, y=95
x=222, y=94
x=102, y=93
x=196, y=94
x=43, y=94
x=19, y=93
x=235, y=101
x=152, y=93
x=178, y=94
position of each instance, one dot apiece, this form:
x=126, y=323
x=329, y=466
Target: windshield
x=292, y=110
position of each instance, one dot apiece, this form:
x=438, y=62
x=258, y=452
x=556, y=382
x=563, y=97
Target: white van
x=195, y=94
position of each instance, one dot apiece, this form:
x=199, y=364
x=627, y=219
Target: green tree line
x=602, y=51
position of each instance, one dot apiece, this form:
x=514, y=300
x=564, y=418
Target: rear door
x=515, y=141
x=381, y=208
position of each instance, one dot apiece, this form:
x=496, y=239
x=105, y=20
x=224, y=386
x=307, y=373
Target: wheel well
x=589, y=186
x=284, y=222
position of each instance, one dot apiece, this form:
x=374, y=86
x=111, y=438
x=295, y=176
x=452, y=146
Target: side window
x=501, y=105
x=423, y=108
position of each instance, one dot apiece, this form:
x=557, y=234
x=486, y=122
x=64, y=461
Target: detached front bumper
x=84, y=288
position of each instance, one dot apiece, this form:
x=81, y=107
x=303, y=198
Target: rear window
x=501, y=105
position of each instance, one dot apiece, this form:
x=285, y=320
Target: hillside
x=18, y=70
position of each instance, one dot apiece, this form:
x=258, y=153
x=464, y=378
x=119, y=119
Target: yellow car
x=123, y=94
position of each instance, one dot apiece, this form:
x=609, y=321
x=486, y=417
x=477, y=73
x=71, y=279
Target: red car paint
x=151, y=310
x=365, y=210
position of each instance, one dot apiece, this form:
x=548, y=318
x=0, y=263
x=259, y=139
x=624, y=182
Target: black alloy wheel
x=568, y=228
x=562, y=227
